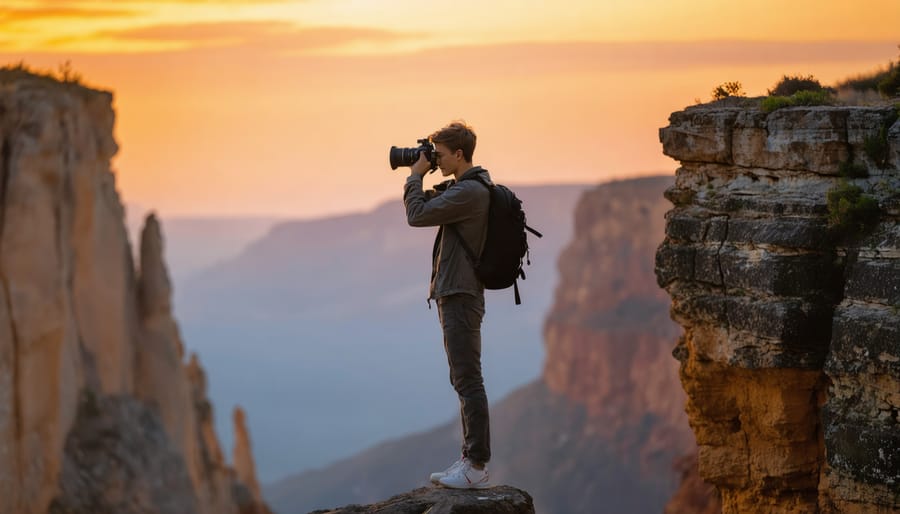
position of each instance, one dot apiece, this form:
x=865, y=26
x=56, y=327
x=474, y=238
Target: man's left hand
x=421, y=166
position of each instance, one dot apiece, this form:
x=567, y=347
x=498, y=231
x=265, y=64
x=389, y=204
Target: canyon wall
x=99, y=412
x=790, y=355
x=608, y=336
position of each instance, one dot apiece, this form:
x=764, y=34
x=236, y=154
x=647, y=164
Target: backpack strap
x=471, y=253
x=465, y=245
x=478, y=178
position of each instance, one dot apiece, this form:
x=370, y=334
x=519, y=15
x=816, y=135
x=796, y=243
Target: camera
x=409, y=156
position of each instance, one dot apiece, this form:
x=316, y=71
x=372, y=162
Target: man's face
x=448, y=161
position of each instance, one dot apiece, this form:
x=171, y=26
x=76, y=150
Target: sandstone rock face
x=98, y=412
x=438, y=500
x=608, y=338
x=791, y=337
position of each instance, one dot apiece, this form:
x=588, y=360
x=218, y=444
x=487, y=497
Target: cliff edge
x=99, y=412
x=782, y=258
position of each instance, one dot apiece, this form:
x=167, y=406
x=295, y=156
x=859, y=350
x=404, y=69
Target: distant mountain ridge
x=196, y=243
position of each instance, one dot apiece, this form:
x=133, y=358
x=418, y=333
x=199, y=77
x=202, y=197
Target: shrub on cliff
x=889, y=86
x=726, y=89
x=66, y=74
x=790, y=84
x=886, y=81
x=822, y=97
x=849, y=210
x=866, y=81
x=876, y=147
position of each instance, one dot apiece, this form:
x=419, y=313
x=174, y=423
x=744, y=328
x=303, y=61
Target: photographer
x=463, y=206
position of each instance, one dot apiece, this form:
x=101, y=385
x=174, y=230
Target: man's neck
x=462, y=170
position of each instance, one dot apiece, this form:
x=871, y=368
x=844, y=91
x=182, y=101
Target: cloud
x=17, y=14
x=274, y=35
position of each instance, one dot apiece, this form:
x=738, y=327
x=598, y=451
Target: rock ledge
x=438, y=500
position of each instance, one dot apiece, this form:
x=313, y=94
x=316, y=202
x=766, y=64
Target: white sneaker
x=435, y=477
x=466, y=476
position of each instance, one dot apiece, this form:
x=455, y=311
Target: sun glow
x=251, y=107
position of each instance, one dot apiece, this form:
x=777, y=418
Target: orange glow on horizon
x=288, y=108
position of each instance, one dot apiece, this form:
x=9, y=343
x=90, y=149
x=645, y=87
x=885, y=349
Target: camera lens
x=403, y=156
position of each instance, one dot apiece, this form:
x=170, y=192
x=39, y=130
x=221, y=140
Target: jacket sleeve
x=453, y=205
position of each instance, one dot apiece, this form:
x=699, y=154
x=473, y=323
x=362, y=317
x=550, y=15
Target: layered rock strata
x=791, y=335
x=98, y=410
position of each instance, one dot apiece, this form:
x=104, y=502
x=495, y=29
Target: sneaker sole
x=470, y=486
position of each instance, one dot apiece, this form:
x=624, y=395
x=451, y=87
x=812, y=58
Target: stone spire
x=154, y=286
x=242, y=456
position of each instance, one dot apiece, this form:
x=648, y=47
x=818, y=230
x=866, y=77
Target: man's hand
x=421, y=166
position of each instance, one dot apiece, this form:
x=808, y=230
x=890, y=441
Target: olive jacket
x=463, y=204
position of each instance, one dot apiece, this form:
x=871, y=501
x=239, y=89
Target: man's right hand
x=421, y=166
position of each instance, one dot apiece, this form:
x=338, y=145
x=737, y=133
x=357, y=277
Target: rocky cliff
x=782, y=258
x=98, y=410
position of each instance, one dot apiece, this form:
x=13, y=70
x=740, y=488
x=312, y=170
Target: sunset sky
x=288, y=108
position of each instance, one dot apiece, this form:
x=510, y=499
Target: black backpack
x=506, y=243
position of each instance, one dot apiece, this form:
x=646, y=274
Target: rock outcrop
x=438, y=500
x=791, y=335
x=98, y=411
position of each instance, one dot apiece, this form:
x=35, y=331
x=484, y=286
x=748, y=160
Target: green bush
x=727, y=89
x=853, y=170
x=775, y=102
x=849, y=210
x=790, y=84
x=822, y=97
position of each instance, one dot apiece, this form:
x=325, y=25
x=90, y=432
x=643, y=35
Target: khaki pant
x=460, y=316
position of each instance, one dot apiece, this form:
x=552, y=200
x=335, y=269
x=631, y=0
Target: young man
x=459, y=294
